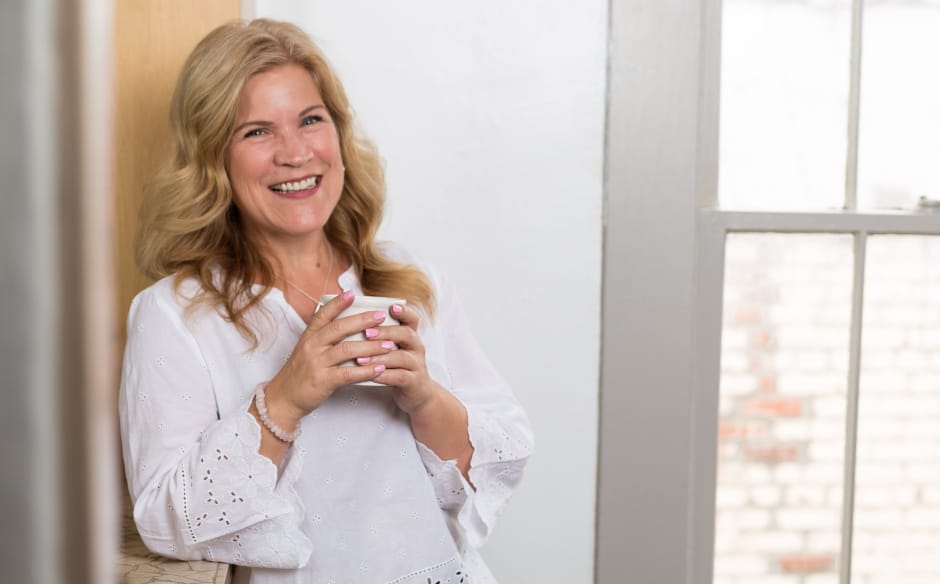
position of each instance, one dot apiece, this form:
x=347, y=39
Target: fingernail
x=378, y=315
x=371, y=333
x=396, y=308
x=363, y=360
x=388, y=345
x=378, y=369
x=348, y=294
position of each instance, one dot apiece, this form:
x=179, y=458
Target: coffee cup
x=367, y=304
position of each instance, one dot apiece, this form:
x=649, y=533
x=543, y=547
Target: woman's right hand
x=312, y=373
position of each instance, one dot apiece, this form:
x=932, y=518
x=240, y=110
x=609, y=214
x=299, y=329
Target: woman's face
x=284, y=160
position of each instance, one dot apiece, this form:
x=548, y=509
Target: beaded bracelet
x=279, y=433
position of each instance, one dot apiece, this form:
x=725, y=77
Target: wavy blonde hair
x=189, y=222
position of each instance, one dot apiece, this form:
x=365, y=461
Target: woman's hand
x=406, y=368
x=312, y=372
x=438, y=419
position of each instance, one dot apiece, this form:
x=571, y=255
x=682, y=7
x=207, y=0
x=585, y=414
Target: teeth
x=300, y=185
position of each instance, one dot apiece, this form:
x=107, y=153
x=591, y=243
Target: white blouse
x=357, y=499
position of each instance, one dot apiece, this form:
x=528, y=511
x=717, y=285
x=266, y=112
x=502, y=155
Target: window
x=829, y=373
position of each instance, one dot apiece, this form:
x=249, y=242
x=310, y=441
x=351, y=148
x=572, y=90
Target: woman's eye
x=254, y=132
x=311, y=120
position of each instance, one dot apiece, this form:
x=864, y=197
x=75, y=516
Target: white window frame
x=663, y=281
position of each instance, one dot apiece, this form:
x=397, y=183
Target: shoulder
x=169, y=295
x=170, y=290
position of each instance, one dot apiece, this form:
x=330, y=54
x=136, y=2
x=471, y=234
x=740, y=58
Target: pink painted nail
x=388, y=345
x=348, y=294
x=378, y=315
x=397, y=309
x=363, y=360
x=378, y=369
x=371, y=333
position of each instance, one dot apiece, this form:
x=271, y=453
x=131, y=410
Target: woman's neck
x=305, y=270
x=297, y=258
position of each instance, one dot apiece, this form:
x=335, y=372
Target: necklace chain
x=326, y=283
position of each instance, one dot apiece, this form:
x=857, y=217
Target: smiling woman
x=285, y=143
x=221, y=109
x=247, y=438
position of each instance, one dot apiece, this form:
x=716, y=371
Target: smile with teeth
x=301, y=185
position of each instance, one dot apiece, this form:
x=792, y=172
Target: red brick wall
x=783, y=404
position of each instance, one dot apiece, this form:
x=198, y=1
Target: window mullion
x=851, y=417
x=855, y=83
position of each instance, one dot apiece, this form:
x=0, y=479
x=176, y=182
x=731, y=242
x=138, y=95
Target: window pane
x=899, y=123
x=784, y=104
x=897, y=503
x=784, y=362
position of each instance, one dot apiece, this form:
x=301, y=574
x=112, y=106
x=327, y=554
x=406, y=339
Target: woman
x=244, y=439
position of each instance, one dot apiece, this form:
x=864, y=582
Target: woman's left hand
x=406, y=368
x=438, y=419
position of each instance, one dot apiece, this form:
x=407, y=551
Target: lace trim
x=186, y=518
x=427, y=570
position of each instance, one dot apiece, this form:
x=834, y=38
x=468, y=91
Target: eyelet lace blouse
x=357, y=498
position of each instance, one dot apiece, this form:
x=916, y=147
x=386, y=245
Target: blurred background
x=698, y=238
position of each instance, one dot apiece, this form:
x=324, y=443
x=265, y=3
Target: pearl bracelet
x=279, y=433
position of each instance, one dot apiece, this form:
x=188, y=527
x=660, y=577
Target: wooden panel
x=152, y=39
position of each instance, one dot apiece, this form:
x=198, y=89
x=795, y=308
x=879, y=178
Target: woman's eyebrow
x=310, y=109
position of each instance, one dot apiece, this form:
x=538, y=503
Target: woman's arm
x=498, y=427
x=438, y=419
x=441, y=424
x=201, y=490
x=473, y=435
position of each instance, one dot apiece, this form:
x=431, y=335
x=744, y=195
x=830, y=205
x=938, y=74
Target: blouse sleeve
x=498, y=429
x=201, y=490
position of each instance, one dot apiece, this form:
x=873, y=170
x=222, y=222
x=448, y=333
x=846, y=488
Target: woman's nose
x=292, y=150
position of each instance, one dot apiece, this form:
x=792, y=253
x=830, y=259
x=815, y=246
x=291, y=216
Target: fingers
x=396, y=377
x=329, y=329
x=357, y=373
x=361, y=352
x=405, y=360
x=353, y=361
x=405, y=315
x=402, y=335
x=331, y=310
x=366, y=355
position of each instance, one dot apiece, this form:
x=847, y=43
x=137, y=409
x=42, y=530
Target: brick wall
x=783, y=412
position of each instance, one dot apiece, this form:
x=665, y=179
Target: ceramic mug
x=367, y=304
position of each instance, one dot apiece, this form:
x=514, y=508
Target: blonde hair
x=189, y=223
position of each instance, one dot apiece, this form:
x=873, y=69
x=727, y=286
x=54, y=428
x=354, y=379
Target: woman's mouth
x=296, y=186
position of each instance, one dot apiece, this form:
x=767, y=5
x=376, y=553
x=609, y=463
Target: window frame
x=663, y=232
x=714, y=226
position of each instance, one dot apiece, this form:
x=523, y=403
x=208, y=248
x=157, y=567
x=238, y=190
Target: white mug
x=367, y=304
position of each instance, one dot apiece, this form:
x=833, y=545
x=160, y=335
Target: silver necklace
x=326, y=282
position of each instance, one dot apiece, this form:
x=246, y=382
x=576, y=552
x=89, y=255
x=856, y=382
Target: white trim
x=652, y=192
x=709, y=116
x=855, y=89
x=710, y=267
x=709, y=281
x=904, y=223
x=851, y=413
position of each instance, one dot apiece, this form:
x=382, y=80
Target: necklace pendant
x=317, y=308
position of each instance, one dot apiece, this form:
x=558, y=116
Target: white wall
x=490, y=116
